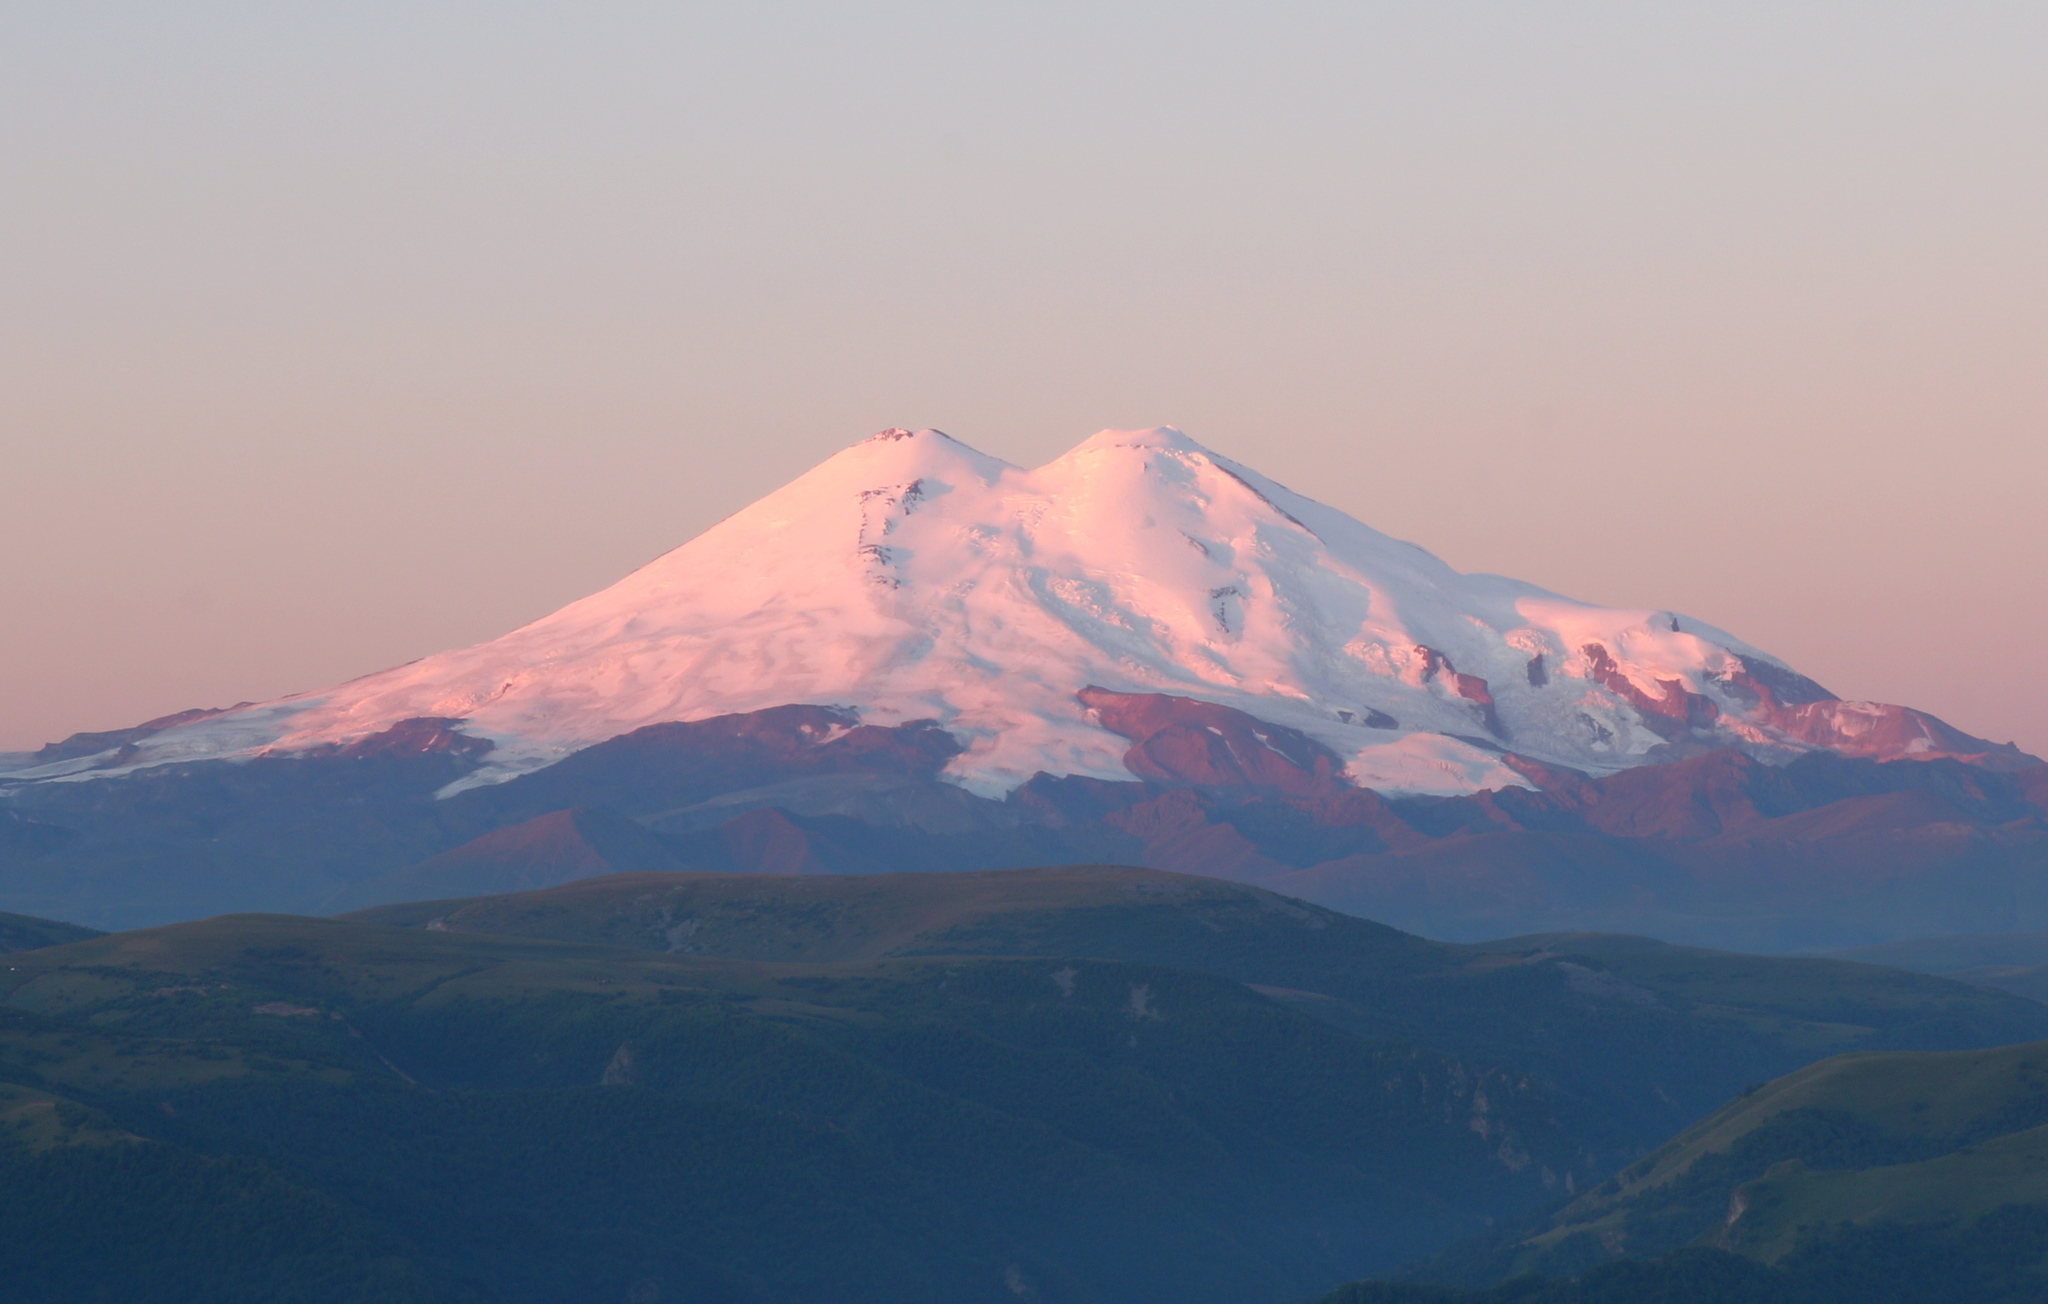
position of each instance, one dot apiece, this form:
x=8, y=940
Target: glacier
x=911, y=577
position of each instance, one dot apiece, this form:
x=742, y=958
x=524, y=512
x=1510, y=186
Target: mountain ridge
x=919, y=657
x=912, y=578
x=1625, y=1022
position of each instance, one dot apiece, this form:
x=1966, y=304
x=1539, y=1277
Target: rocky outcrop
x=1180, y=741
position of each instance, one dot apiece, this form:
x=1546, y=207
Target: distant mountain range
x=916, y=656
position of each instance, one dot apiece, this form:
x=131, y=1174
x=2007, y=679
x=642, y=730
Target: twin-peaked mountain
x=912, y=578
x=916, y=654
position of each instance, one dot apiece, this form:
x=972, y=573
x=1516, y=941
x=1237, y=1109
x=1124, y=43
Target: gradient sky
x=333, y=336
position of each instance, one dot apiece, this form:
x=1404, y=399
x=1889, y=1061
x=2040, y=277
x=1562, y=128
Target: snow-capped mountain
x=911, y=578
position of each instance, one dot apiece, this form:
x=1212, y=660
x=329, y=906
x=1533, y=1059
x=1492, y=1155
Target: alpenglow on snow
x=910, y=577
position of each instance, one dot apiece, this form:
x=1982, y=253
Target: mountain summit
x=912, y=578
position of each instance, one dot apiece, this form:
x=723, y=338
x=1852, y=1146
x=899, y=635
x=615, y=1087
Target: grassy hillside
x=1637, y=1038
x=1932, y=1143
x=1075, y=1085
x=94, y=1206
x=27, y=933
x=512, y=1119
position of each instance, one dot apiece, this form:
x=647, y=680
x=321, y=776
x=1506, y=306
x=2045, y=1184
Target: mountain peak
x=923, y=439
x=911, y=577
x=1107, y=447
x=897, y=451
x=1160, y=437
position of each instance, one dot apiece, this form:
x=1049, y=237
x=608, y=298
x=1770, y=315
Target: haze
x=332, y=339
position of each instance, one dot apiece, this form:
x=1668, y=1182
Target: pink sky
x=329, y=342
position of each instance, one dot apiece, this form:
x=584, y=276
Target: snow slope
x=912, y=577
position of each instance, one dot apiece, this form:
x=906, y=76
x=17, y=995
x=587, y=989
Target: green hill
x=1932, y=1167
x=1901, y=1137
x=28, y=933
x=512, y=1119
x=1638, y=1038
x=1074, y=1085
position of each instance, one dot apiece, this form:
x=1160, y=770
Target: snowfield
x=911, y=577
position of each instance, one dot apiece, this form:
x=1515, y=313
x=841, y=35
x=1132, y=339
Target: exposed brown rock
x=1470, y=687
x=1178, y=740
x=1672, y=712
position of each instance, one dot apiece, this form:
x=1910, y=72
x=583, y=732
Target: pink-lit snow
x=912, y=577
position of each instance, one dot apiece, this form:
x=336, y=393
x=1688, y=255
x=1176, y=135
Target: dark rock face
x=1802, y=709
x=1437, y=665
x=289, y=833
x=1672, y=713
x=1877, y=730
x=1871, y=729
x=1716, y=848
x=91, y=744
x=280, y=833
x=1180, y=741
x=1783, y=686
x=422, y=736
x=666, y=767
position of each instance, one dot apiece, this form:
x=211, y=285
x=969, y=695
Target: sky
x=333, y=336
